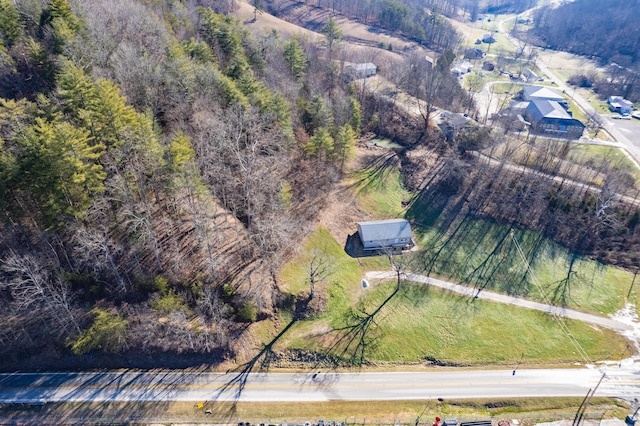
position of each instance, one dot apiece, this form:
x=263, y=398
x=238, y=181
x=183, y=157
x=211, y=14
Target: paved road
x=623, y=382
x=622, y=328
x=622, y=378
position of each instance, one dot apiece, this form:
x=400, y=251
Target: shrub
x=107, y=333
x=168, y=303
x=248, y=312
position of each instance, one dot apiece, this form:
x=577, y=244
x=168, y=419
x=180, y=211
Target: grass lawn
x=598, y=154
x=481, y=253
x=529, y=410
x=420, y=323
x=485, y=255
x=380, y=188
x=507, y=87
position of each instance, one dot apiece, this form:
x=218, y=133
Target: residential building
x=393, y=234
x=620, y=104
x=473, y=53
x=488, y=38
x=551, y=119
x=540, y=93
x=361, y=70
x=461, y=68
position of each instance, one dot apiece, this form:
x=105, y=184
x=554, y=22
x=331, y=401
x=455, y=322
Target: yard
x=362, y=325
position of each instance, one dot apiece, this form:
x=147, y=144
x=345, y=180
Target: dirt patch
x=267, y=22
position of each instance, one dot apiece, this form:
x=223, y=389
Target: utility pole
x=585, y=403
x=632, y=283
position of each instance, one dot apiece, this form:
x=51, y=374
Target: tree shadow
x=231, y=390
x=374, y=173
x=357, y=336
x=560, y=292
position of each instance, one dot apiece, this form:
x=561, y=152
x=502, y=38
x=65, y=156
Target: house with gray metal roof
x=530, y=93
x=394, y=234
x=551, y=119
x=620, y=104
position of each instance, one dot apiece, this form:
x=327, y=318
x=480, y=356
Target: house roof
x=377, y=230
x=540, y=108
x=619, y=101
x=364, y=66
x=541, y=92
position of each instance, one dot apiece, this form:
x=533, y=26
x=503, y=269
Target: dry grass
x=528, y=411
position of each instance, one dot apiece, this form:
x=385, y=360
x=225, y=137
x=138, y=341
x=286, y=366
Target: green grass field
x=599, y=154
x=419, y=323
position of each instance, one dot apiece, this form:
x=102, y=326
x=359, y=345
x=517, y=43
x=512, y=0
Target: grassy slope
x=421, y=323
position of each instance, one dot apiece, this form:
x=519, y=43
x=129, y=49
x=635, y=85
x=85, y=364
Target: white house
x=620, y=104
x=461, y=68
x=362, y=70
x=541, y=93
x=385, y=234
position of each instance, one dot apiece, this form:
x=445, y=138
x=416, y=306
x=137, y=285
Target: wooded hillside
x=157, y=164
x=607, y=31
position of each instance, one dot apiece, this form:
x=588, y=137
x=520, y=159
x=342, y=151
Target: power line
x=563, y=326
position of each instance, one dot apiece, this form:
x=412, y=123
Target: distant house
x=461, y=68
x=394, y=234
x=488, y=66
x=488, y=38
x=473, y=53
x=620, y=104
x=452, y=122
x=362, y=70
x=430, y=61
x=540, y=93
x=530, y=76
x=551, y=119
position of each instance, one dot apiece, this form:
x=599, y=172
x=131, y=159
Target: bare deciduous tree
x=36, y=288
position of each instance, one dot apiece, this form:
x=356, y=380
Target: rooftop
x=541, y=92
x=376, y=230
x=364, y=66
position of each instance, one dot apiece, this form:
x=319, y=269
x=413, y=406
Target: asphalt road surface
x=622, y=381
